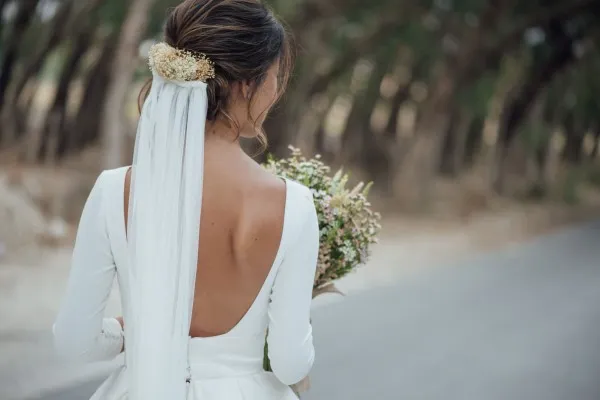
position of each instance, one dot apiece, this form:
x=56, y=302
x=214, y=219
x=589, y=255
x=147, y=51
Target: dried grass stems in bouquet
x=347, y=224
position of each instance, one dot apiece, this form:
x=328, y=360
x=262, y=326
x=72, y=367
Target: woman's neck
x=221, y=131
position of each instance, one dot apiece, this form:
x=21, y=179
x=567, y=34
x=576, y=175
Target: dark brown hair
x=241, y=37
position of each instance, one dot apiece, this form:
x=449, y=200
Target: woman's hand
x=120, y=319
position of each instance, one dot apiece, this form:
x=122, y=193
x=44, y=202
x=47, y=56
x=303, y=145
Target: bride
x=211, y=252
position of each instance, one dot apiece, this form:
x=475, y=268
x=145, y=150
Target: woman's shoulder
x=298, y=200
x=299, y=194
x=300, y=207
x=110, y=184
x=114, y=174
x=109, y=177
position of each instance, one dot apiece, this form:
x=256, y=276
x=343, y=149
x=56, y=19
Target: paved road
x=521, y=324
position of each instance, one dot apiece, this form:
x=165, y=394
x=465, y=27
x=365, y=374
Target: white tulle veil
x=163, y=232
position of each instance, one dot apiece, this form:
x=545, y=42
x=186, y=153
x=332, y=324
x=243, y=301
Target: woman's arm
x=290, y=339
x=80, y=331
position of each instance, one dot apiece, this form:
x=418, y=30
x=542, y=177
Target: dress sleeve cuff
x=112, y=337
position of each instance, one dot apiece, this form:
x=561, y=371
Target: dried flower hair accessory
x=180, y=65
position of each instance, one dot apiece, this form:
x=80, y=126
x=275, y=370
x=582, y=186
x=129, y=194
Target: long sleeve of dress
x=80, y=331
x=290, y=339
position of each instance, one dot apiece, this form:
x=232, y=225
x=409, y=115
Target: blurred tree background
x=408, y=93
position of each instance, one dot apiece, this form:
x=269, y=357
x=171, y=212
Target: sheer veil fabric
x=163, y=233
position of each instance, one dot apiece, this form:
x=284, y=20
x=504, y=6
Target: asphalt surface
x=520, y=324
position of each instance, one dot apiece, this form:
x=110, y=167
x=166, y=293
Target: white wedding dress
x=226, y=367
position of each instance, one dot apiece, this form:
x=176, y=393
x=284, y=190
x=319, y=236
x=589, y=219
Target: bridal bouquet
x=348, y=226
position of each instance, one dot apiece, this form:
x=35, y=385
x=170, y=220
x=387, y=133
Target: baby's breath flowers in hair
x=180, y=65
x=348, y=226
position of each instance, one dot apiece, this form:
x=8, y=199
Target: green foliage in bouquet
x=347, y=224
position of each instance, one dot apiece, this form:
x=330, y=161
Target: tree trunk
x=541, y=159
x=419, y=167
x=357, y=135
x=278, y=131
x=391, y=129
x=575, y=134
x=540, y=74
x=25, y=12
x=452, y=158
x=520, y=101
x=449, y=142
x=54, y=130
x=454, y=73
x=594, y=152
x=459, y=151
x=85, y=127
x=574, y=148
x=124, y=66
x=320, y=138
x=473, y=141
x=2, y=4
x=55, y=35
x=538, y=149
x=390, y=147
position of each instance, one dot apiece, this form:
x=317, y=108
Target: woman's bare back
x=240, y=231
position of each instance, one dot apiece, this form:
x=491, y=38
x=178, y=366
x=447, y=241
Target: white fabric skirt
x=222, y=369
x=260, y=386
